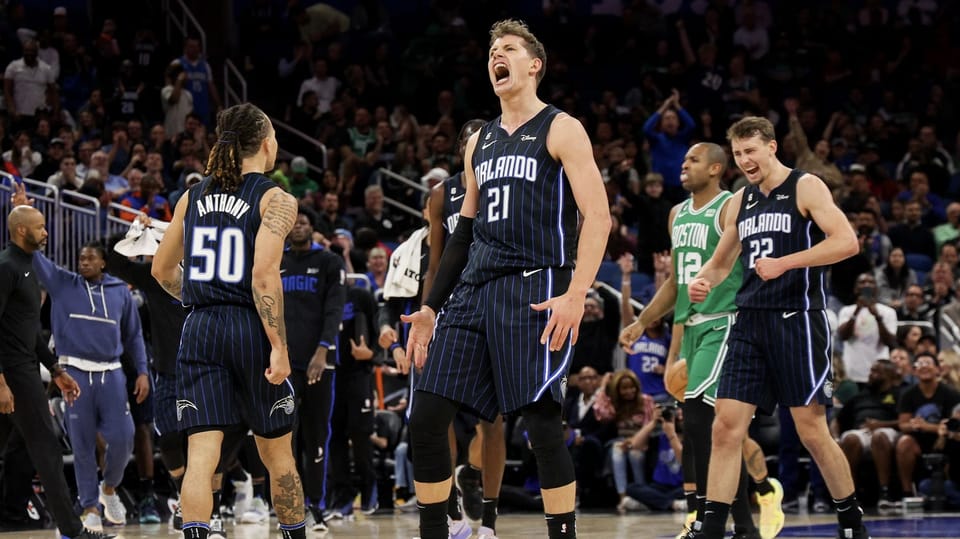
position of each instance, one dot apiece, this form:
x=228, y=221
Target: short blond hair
x=751, y=126
x=514, y=27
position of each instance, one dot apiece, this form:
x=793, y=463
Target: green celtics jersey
x=695, y=236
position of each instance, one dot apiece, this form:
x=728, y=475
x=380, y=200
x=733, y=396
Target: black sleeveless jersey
x=772, y=226
x=219, y=232
x=453, y=193
x=526, y=216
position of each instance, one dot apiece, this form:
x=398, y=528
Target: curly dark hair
x=240, y=131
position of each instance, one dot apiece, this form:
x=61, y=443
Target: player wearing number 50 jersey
x=504, y=338
x=229, y=234
x=786, y=227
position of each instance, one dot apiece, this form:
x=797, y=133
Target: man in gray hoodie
x=95, y=321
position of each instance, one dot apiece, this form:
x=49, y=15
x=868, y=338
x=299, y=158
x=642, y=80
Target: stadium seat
x=919, y=262
x=610, y=273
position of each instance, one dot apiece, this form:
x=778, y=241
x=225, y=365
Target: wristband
x=393, y=347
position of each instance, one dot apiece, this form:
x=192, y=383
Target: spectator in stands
x=868, y=330
x=939, y=291
x=95, y=321
x=894, y=279
x=375, y=215
x=949, y=231
x=903, y=360
x=22, y=159
x=66, y=177
x=148, y=200
x=948, y=256
x=117, y=186
x=26, y=82
x=176, y=99
x=948, y=443
x=921, y=409
x=876, y=244
x=590, y=435
x=599, y=331
x=868, y=424
x=200, y=84
x=319, y=22
x=932, y=206
x=912, y=236
x=814, y=161
x=189, y=181
x=654, y=212
x=330, y=218
x=665, y=491
x=623, y=403
x=376, y=268
x=301, y=186
x=51, y=160
x=620, y=242
x=118, y=152
x=913, y=308
x=322, y=84
x=669, y=130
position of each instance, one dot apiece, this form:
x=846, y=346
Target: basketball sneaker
x=486, y=533
x=216, y=528
x=113, y=508
x=92, y=522
x=771, y=510
x=257, y=512
x=850, y=533
x=471, y=493
x=459, y=529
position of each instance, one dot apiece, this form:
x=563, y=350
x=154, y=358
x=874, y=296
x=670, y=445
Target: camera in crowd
x=668, y=412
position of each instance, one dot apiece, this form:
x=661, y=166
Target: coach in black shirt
x=22, y=398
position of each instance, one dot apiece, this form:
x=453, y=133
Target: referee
x=22, y=398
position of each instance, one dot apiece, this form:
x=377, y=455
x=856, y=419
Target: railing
x=317, y=145
x=183, y=20
x=230, y=95
x=949, y=334
x=401, y=179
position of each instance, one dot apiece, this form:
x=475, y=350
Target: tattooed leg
x=285, y=485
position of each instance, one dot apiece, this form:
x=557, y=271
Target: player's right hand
x=6, y=399
x=630, y=334
x=698, y=290
x=279, y=367
x=400, y=358
x=421, y=323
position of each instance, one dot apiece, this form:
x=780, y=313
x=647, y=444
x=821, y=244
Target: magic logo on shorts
x=183, y=405
x=286, y=404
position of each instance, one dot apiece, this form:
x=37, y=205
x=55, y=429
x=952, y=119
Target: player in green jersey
x=700, y=332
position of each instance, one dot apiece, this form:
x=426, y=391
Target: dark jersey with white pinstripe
x=453, y=193
x=772, y=226
x=219, y=232
x=526, y=216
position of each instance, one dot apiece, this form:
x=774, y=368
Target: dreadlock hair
x=240, y=131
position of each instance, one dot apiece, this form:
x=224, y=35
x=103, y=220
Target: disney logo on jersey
x=527, y=138
x=507, y=166
x=286, y=404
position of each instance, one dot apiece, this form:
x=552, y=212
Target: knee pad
x=172, y=450
x=429, y=421
x=545, y=432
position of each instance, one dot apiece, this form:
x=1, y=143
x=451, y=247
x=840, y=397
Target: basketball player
x=314, y=294
x=229, y=232
x=785, y=228
x=23, y=401
x=506, y=335
x=696, y=225
x=445, y=204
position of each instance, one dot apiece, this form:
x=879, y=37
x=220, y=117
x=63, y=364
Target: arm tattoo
x=280, y=215
x=174, y=287
x=270, y=308
x=288, y=498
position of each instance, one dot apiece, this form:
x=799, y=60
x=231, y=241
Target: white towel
x=403, y=273
x=140, y=240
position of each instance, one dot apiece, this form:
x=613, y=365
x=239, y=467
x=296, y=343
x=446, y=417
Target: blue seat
x=638, y=281
x=610, y=273
x=918, y=262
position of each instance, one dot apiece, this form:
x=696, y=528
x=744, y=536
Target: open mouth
x=501, y=72
x=752, y=171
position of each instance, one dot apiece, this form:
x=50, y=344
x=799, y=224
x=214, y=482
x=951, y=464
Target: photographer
x=948, y=442
x=665, y=492
x=868, y=330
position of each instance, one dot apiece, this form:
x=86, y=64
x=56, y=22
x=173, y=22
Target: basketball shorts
x=702, y=348
x=223, y=355
x=778, y=357
x=486, y=352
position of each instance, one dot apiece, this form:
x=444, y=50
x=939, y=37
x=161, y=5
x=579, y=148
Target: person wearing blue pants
x=95, y=321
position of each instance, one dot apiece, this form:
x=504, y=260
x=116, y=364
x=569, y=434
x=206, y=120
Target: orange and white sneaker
x=771, y=510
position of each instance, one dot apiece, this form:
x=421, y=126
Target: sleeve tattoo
x=270, y=308
x=174, y=287
x=280, y=215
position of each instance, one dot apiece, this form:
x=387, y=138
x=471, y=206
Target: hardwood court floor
x=589, y=525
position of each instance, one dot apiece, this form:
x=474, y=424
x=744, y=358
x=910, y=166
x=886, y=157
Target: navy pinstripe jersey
x=772, y=226
x=453, y=193
x=526, y=216
x=219, y=231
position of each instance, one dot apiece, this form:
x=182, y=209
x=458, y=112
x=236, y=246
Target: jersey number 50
x=222, y=257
